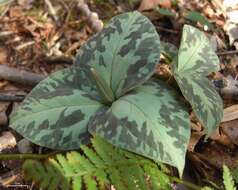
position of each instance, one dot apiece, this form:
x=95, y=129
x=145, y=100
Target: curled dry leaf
x=222, y=138
x=7, y=140
x=217, y=155
x=230, y=3
x=232, y=31
x=3, y=115
x=15, y=12
x=26, y=4
x=230, y=113
x=151, y=4
x=230, y=26
x=230, y=129
x=194, y=139
x=3, y=55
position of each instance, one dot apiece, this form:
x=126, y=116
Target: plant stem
x=25, y=156
x=102, y=86
x=186, y=183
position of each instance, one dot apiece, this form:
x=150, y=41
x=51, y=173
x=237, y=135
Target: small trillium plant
x=110, y=93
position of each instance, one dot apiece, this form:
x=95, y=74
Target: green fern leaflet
x=99, y=167
x=228, y=179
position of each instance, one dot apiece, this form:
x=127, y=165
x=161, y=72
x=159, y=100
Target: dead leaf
x=230, y=129
x=217, y=155
x=26, y=4
x=231, y=20
x=230, y=113
x=232, y=31
x=233, y=16
x=194, y=139
x=151, y=4
x=7, y=140
x=3, y=115
x=15, y=12
x=3, y=55
x=230, y=3
x=223, y=139
x=203, y=168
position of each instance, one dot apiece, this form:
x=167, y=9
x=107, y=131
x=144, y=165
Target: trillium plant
x=110, y=93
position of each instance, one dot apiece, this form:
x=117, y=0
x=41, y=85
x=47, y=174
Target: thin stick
x=25, y=45
x=25, y=156
x=186, y=183
x=59, y=60
x=52, y=10
x=20, y=76
x=228, y=52
x=6, y=33
x=11, y=98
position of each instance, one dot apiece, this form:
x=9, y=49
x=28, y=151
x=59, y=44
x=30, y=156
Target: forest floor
x=38, y=37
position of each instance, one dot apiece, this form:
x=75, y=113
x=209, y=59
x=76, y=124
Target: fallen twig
x=27, y=44
x=52, y=10
x=6, y=33
x=8, y=156
x=92, y=17
x=58, y=60
x=11, y=98
x=228, y=52
x=20, y=76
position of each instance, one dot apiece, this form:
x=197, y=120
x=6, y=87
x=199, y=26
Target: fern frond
x=228, y=179
x=46, y=174
x=207, y=188
x=76, y=182
x=99, y=167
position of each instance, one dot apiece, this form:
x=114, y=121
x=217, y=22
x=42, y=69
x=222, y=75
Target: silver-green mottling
x=196, y=60
x=56, y=112
x=150, y=121
x=124, y=53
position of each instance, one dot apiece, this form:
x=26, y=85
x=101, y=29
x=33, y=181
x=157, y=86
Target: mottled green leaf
x=196, y=60
x=56, y=112
x=150, y=121
x=124, y=53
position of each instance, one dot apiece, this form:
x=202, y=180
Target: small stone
x=24, y=146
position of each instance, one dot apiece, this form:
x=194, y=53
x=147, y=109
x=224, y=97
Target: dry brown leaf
x=7, y=140
x=3, y=115
x=232, y=31
x=3, y=55
x=15, y=12
x=151, y=4
x=230, y=129
x=194, y=139
x=230, y=113
x=217, y=155
x=221, y=138
x=26, y=4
